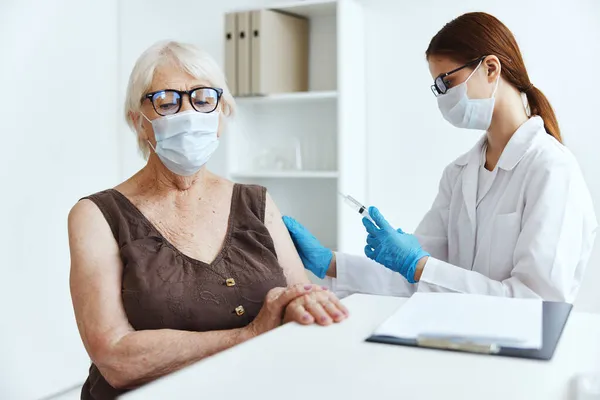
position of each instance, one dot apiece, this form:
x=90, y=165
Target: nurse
x=513, y=216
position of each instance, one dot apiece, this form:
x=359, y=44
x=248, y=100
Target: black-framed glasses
x=169, y=101
x=441, y=84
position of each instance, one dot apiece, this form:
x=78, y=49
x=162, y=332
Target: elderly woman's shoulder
x=85, y=217
x=88, y=212
x=84, y=208
x=227, y=185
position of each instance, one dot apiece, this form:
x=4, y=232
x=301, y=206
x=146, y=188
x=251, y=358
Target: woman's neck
x=509, y=115
x=157, y=179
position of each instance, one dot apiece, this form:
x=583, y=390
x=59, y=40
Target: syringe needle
x=357, y=206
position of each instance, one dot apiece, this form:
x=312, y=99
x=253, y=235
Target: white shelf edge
x=291, y=5
x=295, y=7
x=289, y=97
x=286, y=174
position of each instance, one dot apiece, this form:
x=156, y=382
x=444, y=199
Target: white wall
x=410, y=141
x=58, y=143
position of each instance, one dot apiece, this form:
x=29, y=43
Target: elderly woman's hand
x=270, y=315
x=320, y=306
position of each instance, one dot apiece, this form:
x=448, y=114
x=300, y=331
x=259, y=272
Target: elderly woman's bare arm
x=286, y=252
x=125, y=357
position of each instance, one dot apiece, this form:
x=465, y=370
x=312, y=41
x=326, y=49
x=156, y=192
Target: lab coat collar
x=472, y=155
x=519, y=143
x=515, y=149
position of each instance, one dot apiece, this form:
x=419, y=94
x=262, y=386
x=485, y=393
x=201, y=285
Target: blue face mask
x=463, y=112
x=185, y=141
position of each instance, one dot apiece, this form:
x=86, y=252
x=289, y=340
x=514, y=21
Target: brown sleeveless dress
x=165, y=289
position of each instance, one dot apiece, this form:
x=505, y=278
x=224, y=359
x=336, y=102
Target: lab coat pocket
x=505, y=232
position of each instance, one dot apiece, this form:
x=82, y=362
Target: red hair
x=477, y=34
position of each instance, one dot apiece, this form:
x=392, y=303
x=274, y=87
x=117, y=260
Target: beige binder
x=231, y=33
x=279, y=53
x=243, y=55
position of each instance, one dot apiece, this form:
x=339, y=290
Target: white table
x=312, y=362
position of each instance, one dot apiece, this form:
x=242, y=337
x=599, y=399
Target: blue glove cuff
x=321, y=270
x=412, y=267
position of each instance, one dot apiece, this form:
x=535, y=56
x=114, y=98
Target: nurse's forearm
x=420, y=267
x=332, y=270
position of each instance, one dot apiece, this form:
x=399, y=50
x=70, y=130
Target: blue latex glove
x=314, y=256
x=396, y=250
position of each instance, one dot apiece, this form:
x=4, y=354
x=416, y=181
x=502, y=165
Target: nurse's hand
x=396, y=250
x=314, y=256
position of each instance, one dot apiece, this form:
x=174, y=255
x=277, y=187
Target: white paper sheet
x=504, y=321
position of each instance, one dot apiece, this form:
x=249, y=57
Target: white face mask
x=185, y=141
x=463, y=112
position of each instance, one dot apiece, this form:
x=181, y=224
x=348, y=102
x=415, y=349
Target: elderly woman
x=176, y=264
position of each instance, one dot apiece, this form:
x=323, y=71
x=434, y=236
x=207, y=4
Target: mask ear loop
x=497, y=79
x=526, y=104
x=144, y=115
x=496, y=87
x=152, y=147
x=476, y=68
x=147, y=119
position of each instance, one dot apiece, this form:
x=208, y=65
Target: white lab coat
x=530, y=235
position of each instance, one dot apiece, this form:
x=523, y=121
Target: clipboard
x=554, y=319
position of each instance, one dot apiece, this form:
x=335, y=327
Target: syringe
x=362, y=210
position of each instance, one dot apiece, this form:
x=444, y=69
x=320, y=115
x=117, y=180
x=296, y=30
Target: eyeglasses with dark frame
x=169, y=101
x=441, y=85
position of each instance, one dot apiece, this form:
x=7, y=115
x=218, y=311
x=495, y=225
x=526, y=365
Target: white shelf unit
x=298, y=97
x=285, y=174
x=325, y=126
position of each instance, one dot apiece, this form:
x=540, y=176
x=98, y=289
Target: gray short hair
x=191, y=59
